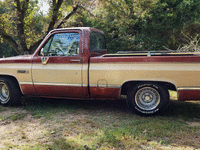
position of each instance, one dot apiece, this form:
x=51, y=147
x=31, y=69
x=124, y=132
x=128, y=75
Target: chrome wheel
x=4, y=93
x=147, y=98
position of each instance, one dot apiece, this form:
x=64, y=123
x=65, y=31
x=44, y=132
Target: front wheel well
x=11, y=78
x=127, y=85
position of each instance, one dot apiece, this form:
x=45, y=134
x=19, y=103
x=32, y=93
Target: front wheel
x=9, y=91
x=148, y=99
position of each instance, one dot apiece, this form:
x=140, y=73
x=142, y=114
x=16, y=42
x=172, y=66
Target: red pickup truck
x=73, y=63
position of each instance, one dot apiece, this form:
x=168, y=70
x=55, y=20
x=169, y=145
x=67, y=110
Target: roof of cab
x=76, y=28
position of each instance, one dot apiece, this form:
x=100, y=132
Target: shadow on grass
x=40, y=105
x=182, y=110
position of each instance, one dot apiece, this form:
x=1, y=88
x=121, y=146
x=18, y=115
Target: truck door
x=57, y=68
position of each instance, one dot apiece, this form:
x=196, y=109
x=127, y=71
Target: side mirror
x=42, y=52
x=44, y=59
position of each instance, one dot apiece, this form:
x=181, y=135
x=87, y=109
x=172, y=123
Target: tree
x=168, y=19
x=146, y=24
x=127, y=24
x=24, y=27
x=6, y=50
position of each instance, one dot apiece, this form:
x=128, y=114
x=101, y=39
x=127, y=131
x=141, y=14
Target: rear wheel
x=9, y=91
x=148, y=99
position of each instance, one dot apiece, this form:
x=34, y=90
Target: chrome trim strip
x=73, y=84
x=24, y=82
x=83, y=42
x=105, y=85
x=188, y=88
x=114, y=86
x=60, y=84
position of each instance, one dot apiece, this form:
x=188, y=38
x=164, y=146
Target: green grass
x=2, y=108
x=14, y=117
x=109, y=125
x=46, y=108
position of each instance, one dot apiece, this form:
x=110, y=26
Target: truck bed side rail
x=150, y=53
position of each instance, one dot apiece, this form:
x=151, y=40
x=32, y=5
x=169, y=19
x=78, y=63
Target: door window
x=62, y=44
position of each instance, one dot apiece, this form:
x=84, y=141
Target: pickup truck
x=73, y=63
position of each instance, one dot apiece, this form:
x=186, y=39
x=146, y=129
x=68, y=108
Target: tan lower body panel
x=178, y=74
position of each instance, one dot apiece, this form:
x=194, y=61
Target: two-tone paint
x=92, y=75
x=180, y=73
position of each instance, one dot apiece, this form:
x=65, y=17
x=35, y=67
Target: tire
x=9, y=92
x=146, y=99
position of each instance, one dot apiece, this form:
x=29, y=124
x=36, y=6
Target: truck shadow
x=90, y=105
x=182, y=110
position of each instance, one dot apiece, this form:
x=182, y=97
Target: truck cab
x=60, y=64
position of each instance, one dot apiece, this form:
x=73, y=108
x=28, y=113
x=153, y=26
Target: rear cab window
x=97, y=42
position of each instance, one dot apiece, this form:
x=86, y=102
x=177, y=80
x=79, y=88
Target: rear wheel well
x=127, y=85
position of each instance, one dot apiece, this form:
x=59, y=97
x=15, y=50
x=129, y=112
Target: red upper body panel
x=17, y=59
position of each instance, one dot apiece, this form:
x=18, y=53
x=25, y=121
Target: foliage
x=23, y=26
x=146, y=24
x=128, y=24
x=6, y=50
x=189, y=44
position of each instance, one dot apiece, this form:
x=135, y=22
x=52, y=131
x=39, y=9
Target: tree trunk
x=21, y=13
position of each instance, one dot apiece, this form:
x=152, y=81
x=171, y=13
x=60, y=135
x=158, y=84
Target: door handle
x=76, y=60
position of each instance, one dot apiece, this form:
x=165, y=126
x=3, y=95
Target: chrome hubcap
x=147, y=98
x=4, y=92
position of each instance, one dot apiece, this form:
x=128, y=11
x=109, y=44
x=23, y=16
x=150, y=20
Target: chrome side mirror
x=42, y=52
x=44, y=59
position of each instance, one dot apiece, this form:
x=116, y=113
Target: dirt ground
x=30, y=130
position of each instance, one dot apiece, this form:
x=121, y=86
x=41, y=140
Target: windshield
x=97, y=41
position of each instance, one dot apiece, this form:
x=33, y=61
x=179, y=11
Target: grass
x=13, y=114
x=14, y=117
x=2, y=108
x=92, y=125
